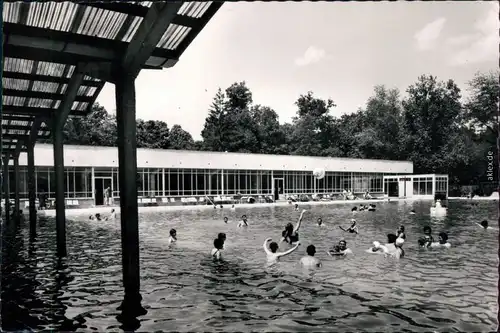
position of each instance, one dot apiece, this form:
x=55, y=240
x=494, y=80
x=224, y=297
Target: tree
x=214, y=129
x=152, y=134
x=229, y=125
x=180, y=139
x=431, y=115
x=313, y=125
x=481, y=108
x=380, y=136
x=267, y=129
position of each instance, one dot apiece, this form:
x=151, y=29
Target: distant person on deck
x=107, y=196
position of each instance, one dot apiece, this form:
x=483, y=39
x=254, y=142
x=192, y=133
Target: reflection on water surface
x=183, y=290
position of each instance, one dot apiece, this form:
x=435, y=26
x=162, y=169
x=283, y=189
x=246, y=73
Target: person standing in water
x=427, y=240
x=291, y=234
x=243, y=222
x=173, y=236
x=225, y=219
x=484, y=225
x=309, y=261
x=222, y=237
x=272, y=255
x=320, y=222
x=217, y=250
x=442, y=240
x=352, y=229
x=401, y=232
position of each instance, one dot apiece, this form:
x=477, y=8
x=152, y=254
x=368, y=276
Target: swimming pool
x=183, y=290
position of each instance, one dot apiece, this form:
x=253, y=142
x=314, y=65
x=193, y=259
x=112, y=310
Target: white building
x=164, y=175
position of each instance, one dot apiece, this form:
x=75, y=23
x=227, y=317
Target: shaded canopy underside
x=44, y=42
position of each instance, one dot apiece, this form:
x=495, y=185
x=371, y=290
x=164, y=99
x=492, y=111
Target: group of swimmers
x=98, y=217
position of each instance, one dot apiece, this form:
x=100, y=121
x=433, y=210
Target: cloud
x=427, y=37
x=311, y=56
x=480, y=45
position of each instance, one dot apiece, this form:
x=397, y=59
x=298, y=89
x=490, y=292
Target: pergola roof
x=46, y=43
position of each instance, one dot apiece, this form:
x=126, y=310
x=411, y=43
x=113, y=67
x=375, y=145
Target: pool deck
x=106, y=209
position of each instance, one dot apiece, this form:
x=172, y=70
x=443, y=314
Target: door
x=278, y=188
x=99, y=191
x=100, y=186
x=393, y=189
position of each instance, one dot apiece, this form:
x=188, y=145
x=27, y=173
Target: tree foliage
x=430, y=126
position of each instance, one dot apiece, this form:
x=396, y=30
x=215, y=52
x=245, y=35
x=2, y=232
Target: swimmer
x=243, y=222
x=233, y=208
x=112, y=216
x=340, y=249
x=484, y=225
x=91, y=217
x=291, y=234
x=272, y=255
x=98, y=217
x=173, y=236
x=225, y=219
x=221, y=206
x=354, y=209
x=320, y=222
x=412, y=212
x=217, y=250
x=399, y=247
x=296, y=207
x=401, y=232
x=361, y=207
x=371, y=208
x=391, y=244
x=377, y=248
x=442, y=240
x=352, y=229
x=222, y=237
x=310, y=261
x=427, y=240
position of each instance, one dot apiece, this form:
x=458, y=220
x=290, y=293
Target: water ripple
x=445, y=290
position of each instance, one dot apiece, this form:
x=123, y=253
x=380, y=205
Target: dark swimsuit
x=293, y=238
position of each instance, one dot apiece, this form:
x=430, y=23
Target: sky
x=338, y=50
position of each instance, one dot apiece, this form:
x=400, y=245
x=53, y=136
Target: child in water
x=310, y=261
x=243, y=222
x=427, y=240
x=442, y=240
x=272, y=255
x=173, y=236
x=217, y=250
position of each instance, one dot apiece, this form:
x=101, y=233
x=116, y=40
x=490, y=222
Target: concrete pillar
x=17, y=187
x=6, y=187
x=57, y=136
x=127, y=158
x=32, y=189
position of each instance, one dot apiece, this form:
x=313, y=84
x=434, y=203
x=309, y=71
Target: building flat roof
x=90, y=156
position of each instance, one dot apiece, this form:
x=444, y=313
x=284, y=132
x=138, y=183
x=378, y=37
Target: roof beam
x=71, y=92
x=33, y=111
x=149, y=33
x=47, y=78
x=34, y=131
x=10, y=117
x=42, y=95
x=22, y=136
x=21, y=128
x=22, y=36
x=19, y=147
x=140, y=11
x=201, y=23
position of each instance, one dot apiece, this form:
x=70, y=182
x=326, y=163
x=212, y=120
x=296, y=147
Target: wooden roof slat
x=47, y=78
x=43, y=95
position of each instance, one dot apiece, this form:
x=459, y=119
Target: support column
x=6, y=187
x=16, y=187
x=222, y=181
x=127, y=157
x=32, y=188
x=57, y=136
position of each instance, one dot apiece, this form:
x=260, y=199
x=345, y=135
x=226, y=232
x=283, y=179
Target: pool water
x=183, y=290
